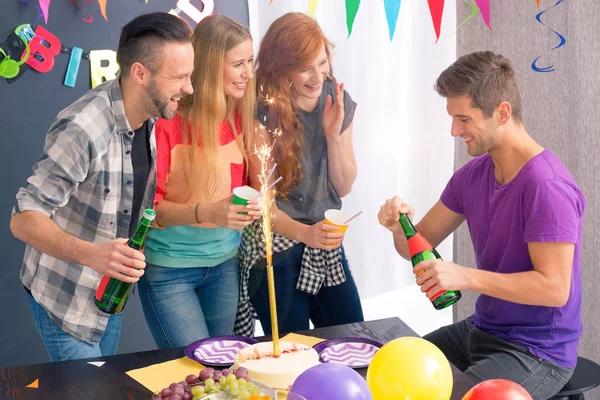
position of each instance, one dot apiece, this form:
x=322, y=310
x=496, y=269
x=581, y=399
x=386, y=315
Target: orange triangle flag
x=102, y=4
x=34, y=384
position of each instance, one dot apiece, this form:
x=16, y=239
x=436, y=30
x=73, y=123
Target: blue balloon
x=331, y=381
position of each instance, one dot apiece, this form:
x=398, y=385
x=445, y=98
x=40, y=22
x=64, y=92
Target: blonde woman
x=190, y=288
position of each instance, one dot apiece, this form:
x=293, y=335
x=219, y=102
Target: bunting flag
x=351, y=10
x=436, y=9
x=102, y=4
x=537, y=3
x=312, y=7
x=392, y=9
x=34, y=385
x=484, y=8
x=45, y=7
x=474, y=10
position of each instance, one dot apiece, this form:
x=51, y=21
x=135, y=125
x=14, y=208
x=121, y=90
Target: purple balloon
x=331, y=381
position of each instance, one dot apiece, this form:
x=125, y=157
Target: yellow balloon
x=410, y=368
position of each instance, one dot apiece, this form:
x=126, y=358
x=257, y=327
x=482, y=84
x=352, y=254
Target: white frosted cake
x=277, y=372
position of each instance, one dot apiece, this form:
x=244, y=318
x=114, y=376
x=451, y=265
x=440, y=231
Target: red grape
x=241, y=372
x=206, y=373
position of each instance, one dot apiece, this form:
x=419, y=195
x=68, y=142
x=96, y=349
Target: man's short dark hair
x=143, y=38
x=487, y=78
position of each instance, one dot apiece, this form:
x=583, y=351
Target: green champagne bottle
x=420, y=250
x=112, y=293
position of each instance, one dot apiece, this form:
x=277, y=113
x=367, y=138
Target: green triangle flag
x=351, y=10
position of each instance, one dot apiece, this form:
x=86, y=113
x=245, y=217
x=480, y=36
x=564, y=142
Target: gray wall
x=561, y=111
x=27, y=107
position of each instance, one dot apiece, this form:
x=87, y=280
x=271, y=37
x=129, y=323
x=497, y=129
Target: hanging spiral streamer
x=538, y=17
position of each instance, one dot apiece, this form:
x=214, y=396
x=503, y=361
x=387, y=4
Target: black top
x=140, y=159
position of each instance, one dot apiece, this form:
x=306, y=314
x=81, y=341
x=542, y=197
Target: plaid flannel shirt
x=84, y=183
x=319, y=267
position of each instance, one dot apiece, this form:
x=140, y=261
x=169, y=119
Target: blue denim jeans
x=482, y=356
x=183, y=305
x=332, y=305
x=63, y=346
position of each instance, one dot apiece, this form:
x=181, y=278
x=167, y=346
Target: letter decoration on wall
x=196, y=15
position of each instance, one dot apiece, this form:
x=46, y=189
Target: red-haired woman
x=307, y=117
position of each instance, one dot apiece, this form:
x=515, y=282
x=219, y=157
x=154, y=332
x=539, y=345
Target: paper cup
x=336, y=218
x=242, y=194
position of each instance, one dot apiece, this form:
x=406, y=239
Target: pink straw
x=274, y=183
x=268, y=187
x=352, y=217
x=271, y=171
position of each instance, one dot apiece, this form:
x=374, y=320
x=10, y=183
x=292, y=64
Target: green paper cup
x=242, y=194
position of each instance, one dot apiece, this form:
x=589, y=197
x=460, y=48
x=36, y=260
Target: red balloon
x=497, y=389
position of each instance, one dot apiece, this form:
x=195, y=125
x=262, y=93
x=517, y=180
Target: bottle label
x=105, y=280
x=102, y=287
x=438, y=294
x=418, y=244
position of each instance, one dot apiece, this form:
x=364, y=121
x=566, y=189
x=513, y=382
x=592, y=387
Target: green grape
x=242, y=382
x=198, y=390
x=244, y=394
x=231, y=378
x=223, y=380
x=196, y=397
x=209, y=382
x=255, y=390
x=235, y=392
x=234, y=385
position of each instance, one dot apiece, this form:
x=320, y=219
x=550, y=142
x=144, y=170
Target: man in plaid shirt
x=86, y=192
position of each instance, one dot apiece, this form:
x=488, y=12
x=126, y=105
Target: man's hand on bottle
x=389, y=213
x=117, y=260
x=322, y=236
x=436, y=275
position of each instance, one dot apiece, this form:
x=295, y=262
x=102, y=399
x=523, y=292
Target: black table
x=78, y=380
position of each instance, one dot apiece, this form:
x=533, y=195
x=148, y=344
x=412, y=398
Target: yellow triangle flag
x=312, y=7
x=34, y=384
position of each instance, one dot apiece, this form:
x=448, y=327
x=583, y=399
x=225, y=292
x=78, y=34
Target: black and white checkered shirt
x=319, y=267
x=83, y=181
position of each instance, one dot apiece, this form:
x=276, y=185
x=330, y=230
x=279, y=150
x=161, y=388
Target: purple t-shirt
x=541, y=204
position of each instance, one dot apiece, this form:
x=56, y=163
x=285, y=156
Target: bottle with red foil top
x=420, y=250
x=112, y=293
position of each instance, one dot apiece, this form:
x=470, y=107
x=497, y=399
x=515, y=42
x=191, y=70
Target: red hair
x=291, y=42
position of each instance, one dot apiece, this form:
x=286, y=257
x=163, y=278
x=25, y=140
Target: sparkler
x=264, y=155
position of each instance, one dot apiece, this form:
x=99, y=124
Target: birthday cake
x=277, y=372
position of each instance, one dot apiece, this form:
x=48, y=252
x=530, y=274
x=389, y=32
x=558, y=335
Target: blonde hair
x=208, y=106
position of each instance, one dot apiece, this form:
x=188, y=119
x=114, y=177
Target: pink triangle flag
x=484, y=9
x=45, y=5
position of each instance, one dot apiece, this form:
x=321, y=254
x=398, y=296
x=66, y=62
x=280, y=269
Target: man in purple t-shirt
x=525, y=215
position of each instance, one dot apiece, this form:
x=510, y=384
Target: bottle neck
x=416, y=242
x=408, y=227
x=137, y=240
